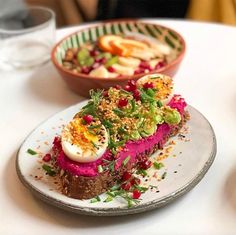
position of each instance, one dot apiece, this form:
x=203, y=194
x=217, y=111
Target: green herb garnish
x=91, y=107
x=119, y=112
x=94, y=127
x=159, y=104
x=108, y=199
x=158, y=165
x=32, y=152
x=141, y=189
x=110, y=165
x=49, y=170
x=96, y=199
x=107, y=124
x=141, y=172
x=126, y=160
x=100, y=168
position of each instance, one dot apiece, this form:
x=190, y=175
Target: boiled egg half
x=84, y=143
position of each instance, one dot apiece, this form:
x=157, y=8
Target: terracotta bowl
x=82, y=83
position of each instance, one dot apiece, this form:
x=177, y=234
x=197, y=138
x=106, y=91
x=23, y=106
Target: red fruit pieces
x=144, y=65
x=126, y=186
x=126, y=176
x=47, y=157
x=148, y=85
x=111, y=69
x=94, y=53
x=137, y=95
x=132, y=85
x=135, y=181
x=127, y=88
x=105, y=93
x=88, y=118
x=122, y=102
x=136, y=194
x=145, y=164
x=118, y=87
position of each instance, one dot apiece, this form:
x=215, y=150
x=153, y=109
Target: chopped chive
x=111, y=194
x=158, y=165
x=113, y=151
x=141, y=172
x=32, y=152
x=154, y=77
x=112, y=166
x=94, y=127
x=107, y=124
x=96, y=199
x=126, y=160
x=48, y=170
x=108, y=199
x=141, y=189
x=130, y=204
x=159, y=104
x=100, y=169
x=164, y=175
x=119, y=112
x=94, y=145
x=115, y=187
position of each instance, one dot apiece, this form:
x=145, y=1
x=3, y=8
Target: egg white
x=76, y=153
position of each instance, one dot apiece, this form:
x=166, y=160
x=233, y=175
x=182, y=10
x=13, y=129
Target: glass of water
x=26, y=37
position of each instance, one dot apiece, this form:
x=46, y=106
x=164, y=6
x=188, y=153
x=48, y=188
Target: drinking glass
x=26, y=37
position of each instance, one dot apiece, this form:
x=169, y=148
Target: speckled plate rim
x=122, y=211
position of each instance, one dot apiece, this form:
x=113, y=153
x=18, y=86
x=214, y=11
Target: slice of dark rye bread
x=84, y=187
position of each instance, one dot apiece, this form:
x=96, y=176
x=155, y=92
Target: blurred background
x=71, y=12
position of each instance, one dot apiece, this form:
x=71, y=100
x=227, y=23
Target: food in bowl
x=78, y=77
x=117, y=55
x=109, y=141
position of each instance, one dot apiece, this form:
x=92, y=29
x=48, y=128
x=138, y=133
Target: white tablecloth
x=207, y=79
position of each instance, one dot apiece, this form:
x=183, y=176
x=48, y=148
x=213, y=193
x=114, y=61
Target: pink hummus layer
x=131, y=148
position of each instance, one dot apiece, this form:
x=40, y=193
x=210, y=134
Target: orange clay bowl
x=82, y=83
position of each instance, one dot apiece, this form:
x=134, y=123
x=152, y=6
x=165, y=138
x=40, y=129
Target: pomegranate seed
x=97, y=60
x=136, y=95
x=126, y=186
x=136, y=194
x=88, y=118
x=85, y=70
x=105, y=93
x=47, y=157
x=111, y=69
x=127, y=175
x=122, y=103
x=145, y=164
x=132, y=85
x=144, y=65
x=148, y=85
x=127, y=88
x=140, y=70
x=57, y=140
x=159, y=65
x=118, y=87
x=136, y=181
x=56, y=144
x=94, y=53
x=103, y=60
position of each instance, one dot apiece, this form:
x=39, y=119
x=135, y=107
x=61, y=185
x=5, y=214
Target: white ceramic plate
x=188, y=161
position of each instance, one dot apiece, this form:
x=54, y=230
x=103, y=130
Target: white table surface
x=207, y=79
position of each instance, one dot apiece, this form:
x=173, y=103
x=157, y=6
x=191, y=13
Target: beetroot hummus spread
x=131, y=148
